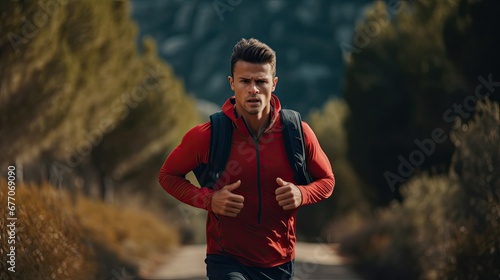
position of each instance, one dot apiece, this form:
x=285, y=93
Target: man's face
x=252, y=85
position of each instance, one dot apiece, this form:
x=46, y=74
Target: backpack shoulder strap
x=293, y=137
x=221, y=134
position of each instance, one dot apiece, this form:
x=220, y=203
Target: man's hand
x=288, y=195
x=226, y=203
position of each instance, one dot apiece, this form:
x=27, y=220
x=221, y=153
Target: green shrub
x=389, y=246
x=348, y=194
x=447, y=227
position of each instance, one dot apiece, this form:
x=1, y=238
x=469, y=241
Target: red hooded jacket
x=262, y=234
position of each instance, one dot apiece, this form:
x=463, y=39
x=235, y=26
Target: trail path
x=313, y=262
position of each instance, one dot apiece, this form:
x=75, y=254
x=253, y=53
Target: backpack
x=220, y=145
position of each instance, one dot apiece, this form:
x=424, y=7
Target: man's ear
x=275, y=82
x=231, y=84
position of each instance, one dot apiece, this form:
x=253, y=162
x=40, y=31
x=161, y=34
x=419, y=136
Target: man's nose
x=253, y=88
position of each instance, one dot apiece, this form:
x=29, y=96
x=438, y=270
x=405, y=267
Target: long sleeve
x=192, y=151
x=319, y=168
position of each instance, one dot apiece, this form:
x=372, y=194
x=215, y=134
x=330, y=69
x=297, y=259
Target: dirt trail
x=313, y=262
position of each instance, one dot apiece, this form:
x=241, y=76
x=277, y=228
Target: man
x=252, y=208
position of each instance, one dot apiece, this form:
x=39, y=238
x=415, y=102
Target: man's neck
x=257, y=124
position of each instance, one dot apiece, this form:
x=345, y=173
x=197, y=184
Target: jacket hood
x=229, y=109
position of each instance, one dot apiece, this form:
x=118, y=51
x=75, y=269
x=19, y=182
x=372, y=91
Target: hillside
x=197, y=38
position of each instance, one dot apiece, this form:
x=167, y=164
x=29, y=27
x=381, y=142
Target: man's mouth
x=253, y=100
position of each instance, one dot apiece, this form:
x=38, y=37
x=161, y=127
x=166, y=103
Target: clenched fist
x=288, y=195
x=226, y=203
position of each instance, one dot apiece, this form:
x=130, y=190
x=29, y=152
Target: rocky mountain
x=196, y=37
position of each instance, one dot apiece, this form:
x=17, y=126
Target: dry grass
x=49, y=244
x=135, y=235
x=64, y=237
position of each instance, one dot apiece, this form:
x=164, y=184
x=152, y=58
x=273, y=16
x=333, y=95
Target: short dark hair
x=253, y=51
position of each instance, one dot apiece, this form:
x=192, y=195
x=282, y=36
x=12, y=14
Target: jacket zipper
x=259, y=194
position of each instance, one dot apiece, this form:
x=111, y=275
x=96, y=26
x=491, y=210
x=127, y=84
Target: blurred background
x=402, y=95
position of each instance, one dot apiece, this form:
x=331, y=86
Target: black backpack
x=220, y=145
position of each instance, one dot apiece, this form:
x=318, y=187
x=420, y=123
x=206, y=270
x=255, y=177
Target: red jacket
x=263, y=234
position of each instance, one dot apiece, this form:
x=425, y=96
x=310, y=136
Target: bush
x=447, y=227
x=133, y=235
x=60, y=236
x=390, y=245
x=349, y=194
x=49, y=241
x=329, y=126
x=476, y=165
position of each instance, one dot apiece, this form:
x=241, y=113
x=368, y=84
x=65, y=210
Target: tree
x=80, y=105
x=404, y=94
x=448, y=226
x=472, y=41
